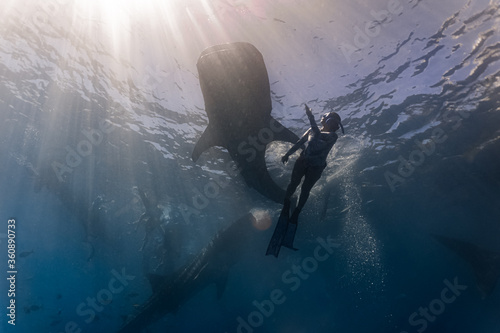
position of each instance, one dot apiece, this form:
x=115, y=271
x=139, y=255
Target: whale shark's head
x=234, y=83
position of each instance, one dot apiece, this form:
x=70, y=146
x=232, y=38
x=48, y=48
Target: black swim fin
x=290, y=236
x=278, y=235
x=290, y=231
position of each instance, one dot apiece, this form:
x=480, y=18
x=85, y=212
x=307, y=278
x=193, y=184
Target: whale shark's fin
x=253, y=169
x=209, y=138
x=281, y=133
x=485, y=263
x=257, y=176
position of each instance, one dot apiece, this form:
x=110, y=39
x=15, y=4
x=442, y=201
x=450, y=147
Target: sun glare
x=116, y=18
x=115, y=12
x=118, y=13
x=122, y=27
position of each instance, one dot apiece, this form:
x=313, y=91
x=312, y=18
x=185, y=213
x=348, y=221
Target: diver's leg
x=297, y=174
x=312, y=175
x=279, y=237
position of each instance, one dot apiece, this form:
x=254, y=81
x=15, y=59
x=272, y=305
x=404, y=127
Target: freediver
x=310, y=166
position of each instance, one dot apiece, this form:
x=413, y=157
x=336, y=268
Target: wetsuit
x=310, y=164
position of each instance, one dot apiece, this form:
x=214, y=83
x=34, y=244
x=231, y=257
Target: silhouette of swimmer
x=312, y=160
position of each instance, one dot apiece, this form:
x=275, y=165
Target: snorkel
x=341, y=127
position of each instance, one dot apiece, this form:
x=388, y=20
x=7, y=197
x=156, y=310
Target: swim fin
x=289, y=236
x=291, y=230
x=279, y=234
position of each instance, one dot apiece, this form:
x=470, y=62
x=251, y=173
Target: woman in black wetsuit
x=312, y=160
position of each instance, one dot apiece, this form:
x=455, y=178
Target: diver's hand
x=308, y=111
x=284, y=159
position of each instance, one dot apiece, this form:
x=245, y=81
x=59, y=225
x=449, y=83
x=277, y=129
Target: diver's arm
x=296, y=146
x=314, y=126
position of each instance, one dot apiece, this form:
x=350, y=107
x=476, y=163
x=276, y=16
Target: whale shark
x=210, y=266
x=236, y=90
x=485, y=263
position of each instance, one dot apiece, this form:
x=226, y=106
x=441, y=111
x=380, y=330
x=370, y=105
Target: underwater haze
x=108, y=225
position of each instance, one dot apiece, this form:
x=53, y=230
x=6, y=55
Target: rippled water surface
x=101, y=106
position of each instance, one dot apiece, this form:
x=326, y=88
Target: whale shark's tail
x=486, y=264
x=237, y=95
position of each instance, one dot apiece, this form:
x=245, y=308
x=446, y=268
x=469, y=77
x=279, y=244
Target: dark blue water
x=99, y=102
